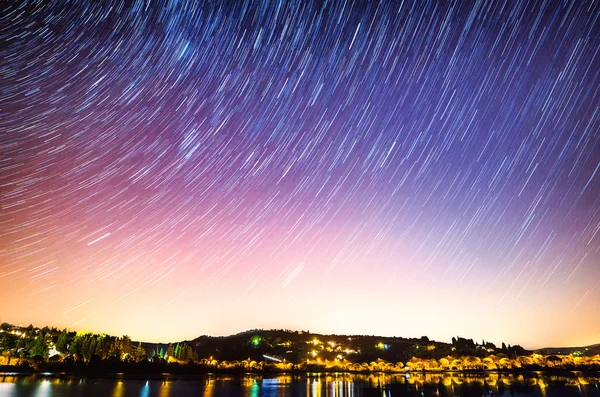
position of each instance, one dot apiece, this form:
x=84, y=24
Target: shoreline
x=19, y=371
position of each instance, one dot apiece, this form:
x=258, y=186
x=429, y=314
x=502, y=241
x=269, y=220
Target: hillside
x=52, y=349
x=294, y=346
x=590, y=350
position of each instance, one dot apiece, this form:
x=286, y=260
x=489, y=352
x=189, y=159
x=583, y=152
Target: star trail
x=177, y=168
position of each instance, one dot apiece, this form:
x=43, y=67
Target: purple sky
x=175, y=169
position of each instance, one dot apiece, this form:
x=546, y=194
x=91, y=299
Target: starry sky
x=176, y=168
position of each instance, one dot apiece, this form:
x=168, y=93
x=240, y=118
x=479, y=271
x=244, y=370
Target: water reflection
x=118, y=391
x=314, y=385
x=254, y=390
x=7, y=389
x=43, y=389
x=209, y=388
x=165, y=389
x=145, y=390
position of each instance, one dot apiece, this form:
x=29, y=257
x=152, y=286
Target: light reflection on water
x=43, y=388
x=313, y=385
x=145, y=390
x=165, y=389
x=119, y=390
x=7, y=388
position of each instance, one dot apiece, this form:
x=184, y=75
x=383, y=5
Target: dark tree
x=91, y=349
x=62, y=344
x=8, y=342
x=39, y=348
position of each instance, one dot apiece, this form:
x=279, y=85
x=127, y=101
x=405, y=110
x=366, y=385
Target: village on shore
x=50, y=349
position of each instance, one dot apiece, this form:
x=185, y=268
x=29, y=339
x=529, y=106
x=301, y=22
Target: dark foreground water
x=321, y=385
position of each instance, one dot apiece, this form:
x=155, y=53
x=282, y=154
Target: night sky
x=176, y=168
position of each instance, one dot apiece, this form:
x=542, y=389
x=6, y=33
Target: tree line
x=46, y=343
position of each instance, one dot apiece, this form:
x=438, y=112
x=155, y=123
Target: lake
x=317, y=384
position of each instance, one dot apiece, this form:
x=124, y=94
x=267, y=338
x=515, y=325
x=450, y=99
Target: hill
x=590, y=350
x=51, y=349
